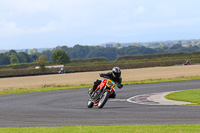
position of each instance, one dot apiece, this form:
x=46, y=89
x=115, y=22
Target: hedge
x=155, y=56
x=99, y=67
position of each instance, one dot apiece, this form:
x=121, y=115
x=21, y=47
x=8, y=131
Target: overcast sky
x=49, y=23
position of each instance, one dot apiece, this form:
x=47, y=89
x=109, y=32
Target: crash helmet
x=116, y=72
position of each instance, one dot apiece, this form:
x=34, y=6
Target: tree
x=42, y=60
x=163, y=46
x=4, y=60
x=23, y=57
x=34, y=54
x=79, y=51
x=48, y=54
x=117, y=45
x=12, y=54
x=32, y=51
x=64, y=48
x=176, y=46
x=60, y=57
x=14, y=61
x=34, y=57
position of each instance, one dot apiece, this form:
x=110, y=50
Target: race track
x=69, y=107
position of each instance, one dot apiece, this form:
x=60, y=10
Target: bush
x=91, y=60
x=156, y=56
x=26, y=72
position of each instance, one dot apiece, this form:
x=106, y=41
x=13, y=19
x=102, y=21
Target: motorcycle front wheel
x=90, y=104
x=104, y=99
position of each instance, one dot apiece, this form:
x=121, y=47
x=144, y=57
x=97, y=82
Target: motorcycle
x=61, y=72
x=101, y=94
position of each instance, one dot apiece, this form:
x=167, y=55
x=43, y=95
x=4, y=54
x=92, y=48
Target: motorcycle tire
x=104, y=99
x=90, y=104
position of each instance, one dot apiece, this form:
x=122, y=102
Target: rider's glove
x=101, y=74
x=120, y=86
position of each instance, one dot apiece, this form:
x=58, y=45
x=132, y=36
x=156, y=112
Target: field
x=81, y=78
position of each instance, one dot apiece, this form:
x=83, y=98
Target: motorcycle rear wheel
x=104, y=99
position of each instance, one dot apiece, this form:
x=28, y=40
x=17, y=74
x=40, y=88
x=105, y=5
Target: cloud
x=89, y=17
x=139, y=10
x=9, y=29
x=25, y=5
x=51, y=26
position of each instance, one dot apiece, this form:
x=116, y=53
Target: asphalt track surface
x=69, y=108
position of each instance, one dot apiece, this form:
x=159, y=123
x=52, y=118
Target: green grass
x=108, y=129
x=46, y=88
x=192, y=96
x=23, y=90
x=149, y=81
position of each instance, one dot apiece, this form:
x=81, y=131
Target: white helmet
x=116, y=72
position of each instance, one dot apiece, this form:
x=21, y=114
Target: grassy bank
x=110, y=129
x=24, y=90
x=47, y=88
x=192, y=96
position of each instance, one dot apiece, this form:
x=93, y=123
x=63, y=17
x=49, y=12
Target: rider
x=187, y=62
x=115, y=76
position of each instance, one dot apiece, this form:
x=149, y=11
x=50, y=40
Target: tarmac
x=69, y=108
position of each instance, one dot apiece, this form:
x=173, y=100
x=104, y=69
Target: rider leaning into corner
x=115, y=76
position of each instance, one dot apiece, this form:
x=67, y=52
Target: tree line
x=112, y=53
x=63, y=54
x=56, y=56
x=12, y=57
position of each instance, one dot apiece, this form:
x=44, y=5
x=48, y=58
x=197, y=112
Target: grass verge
x=192, y=96
x=106, y=129
x=149, y=81
x=46, y=88
x=24, y=90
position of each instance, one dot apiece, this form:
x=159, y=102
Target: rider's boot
x=113, y=95
x=96, y=83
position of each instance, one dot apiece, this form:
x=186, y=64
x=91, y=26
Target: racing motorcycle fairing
x=105, y=86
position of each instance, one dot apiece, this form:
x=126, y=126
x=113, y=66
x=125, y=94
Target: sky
x=27, y=24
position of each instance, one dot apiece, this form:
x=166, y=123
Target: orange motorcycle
x=101, y=94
